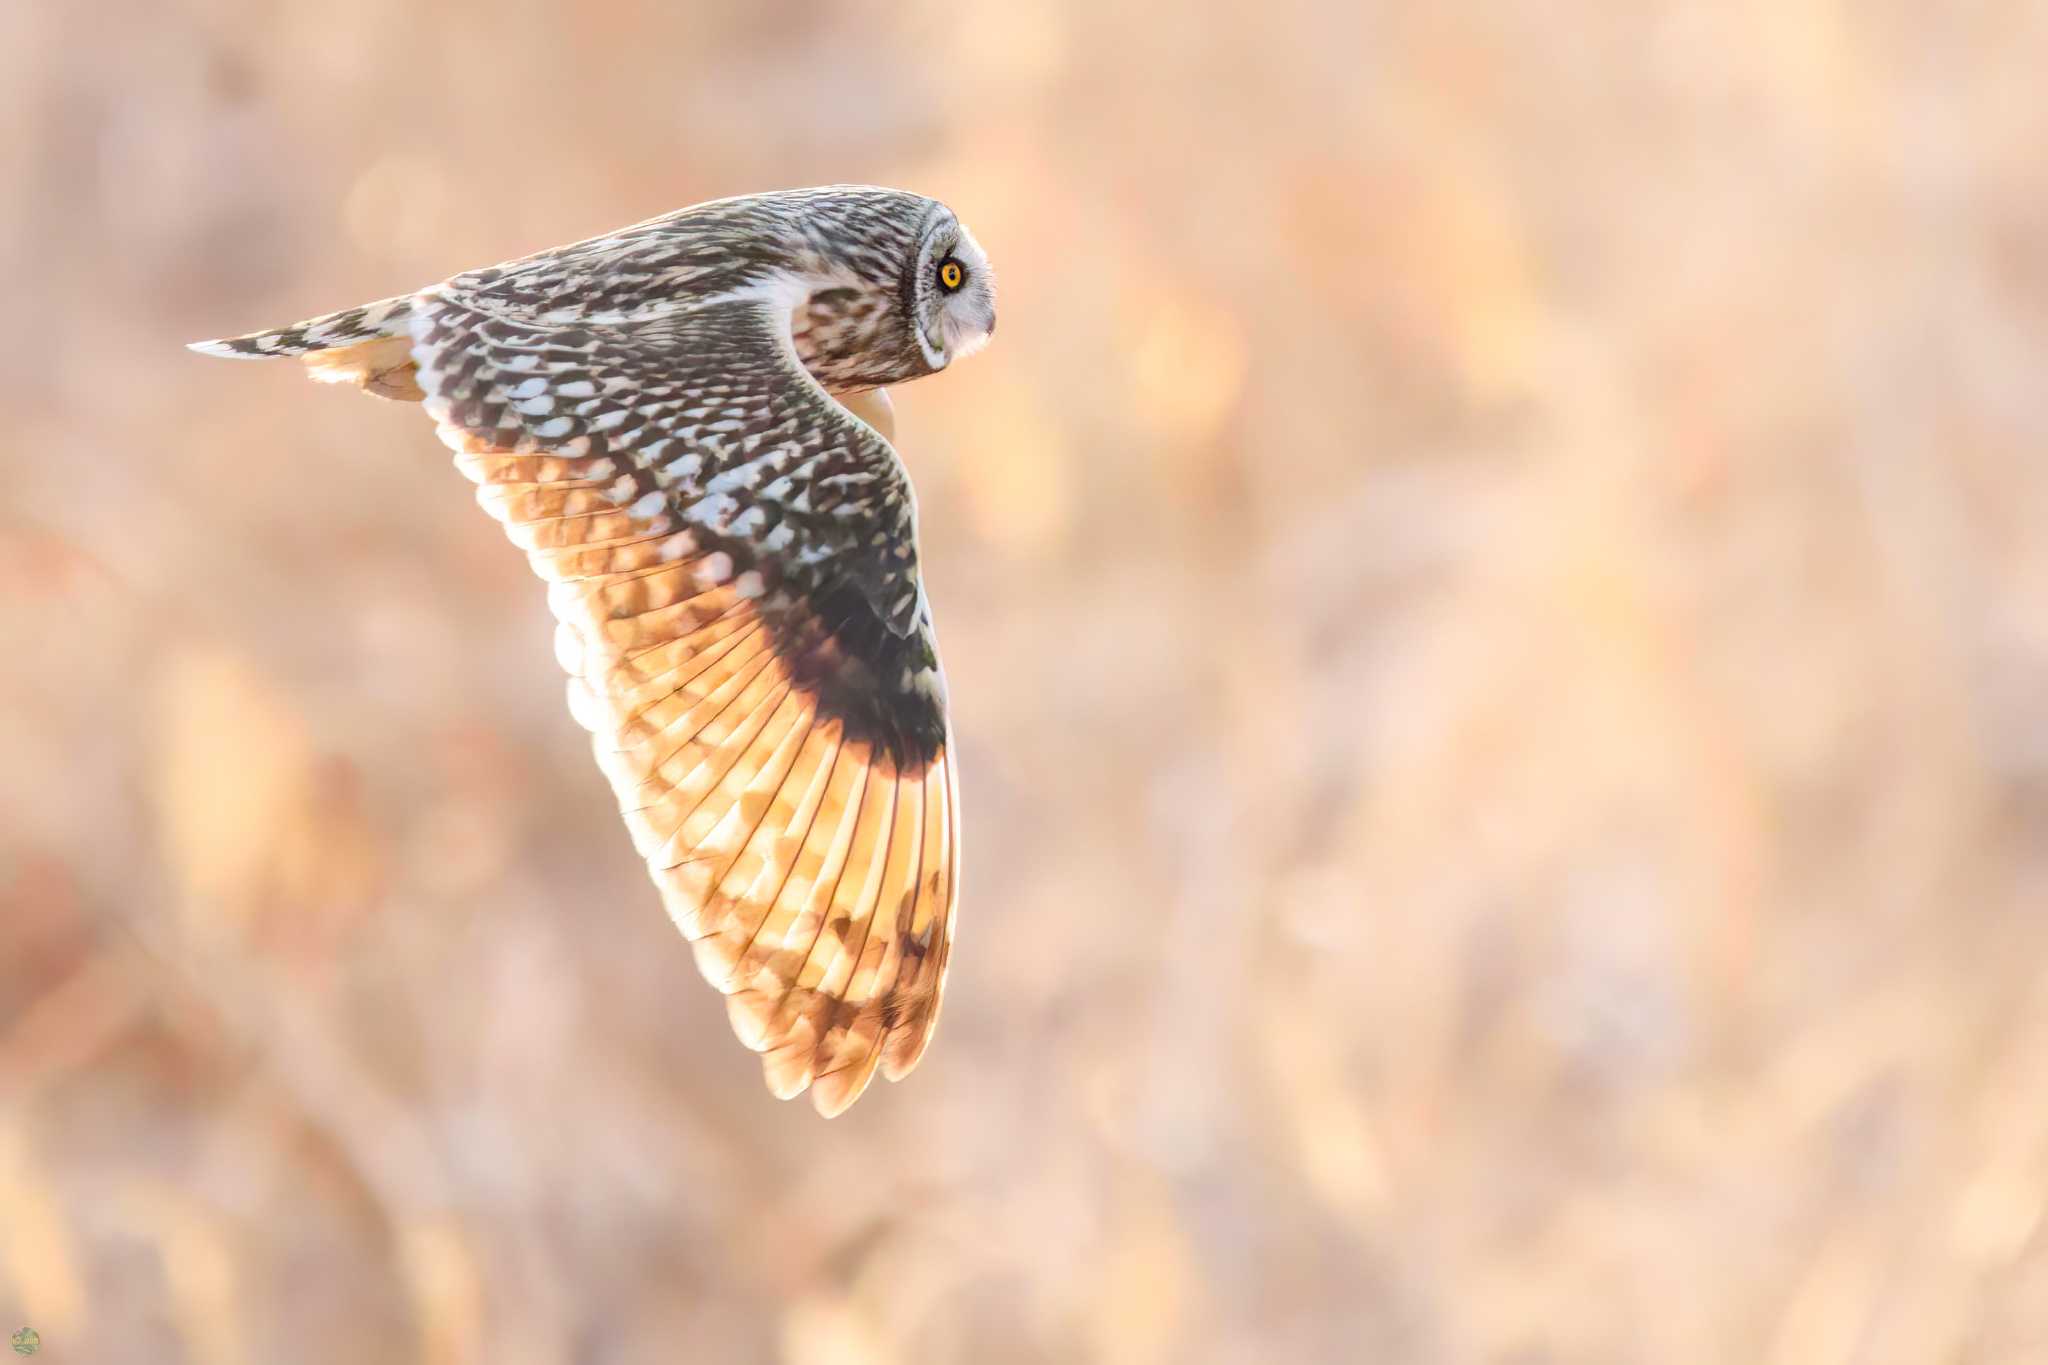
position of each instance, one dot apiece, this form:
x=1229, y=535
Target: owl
x=685, y=425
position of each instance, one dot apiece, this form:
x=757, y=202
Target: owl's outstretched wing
x=732, y=559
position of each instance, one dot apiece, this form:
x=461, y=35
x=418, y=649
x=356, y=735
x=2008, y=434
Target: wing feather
x=771, y=727
x=929, y=938
x=852, y=1046
x=824, y=860
x=764, y=908
x=790, y=1058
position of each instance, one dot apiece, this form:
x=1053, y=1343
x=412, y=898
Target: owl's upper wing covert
x=732, y=560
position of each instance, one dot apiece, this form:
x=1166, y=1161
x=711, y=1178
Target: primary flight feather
x=685, y=426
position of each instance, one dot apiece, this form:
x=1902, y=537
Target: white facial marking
x=966, y=316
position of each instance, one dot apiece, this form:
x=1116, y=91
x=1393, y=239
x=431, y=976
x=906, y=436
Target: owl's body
x=679, y=423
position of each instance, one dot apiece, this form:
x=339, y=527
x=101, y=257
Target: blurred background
x=1496, y=599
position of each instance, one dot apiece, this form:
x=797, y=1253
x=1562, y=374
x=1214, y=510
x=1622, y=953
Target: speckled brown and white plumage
x=732, y=558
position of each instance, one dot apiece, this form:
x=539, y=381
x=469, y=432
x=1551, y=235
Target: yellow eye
x=951, y=276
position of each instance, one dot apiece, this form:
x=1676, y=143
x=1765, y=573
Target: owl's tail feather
x=384, y=318
x=370, y=347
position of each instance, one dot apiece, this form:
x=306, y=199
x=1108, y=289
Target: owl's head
x=894, y=287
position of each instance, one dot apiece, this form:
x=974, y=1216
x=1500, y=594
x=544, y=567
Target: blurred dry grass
x=1495, y=590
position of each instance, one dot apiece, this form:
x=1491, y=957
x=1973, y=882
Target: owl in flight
x=684, y=425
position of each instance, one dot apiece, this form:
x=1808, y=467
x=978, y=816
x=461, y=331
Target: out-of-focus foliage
x=1495, y=584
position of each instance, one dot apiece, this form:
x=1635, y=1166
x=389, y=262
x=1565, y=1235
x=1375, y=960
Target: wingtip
x=833, y=1092
x=833, y=1105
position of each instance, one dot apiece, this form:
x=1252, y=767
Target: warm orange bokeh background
x=1495, y=584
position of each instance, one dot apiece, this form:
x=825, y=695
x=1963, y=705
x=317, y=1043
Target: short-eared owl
x=684, y=426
